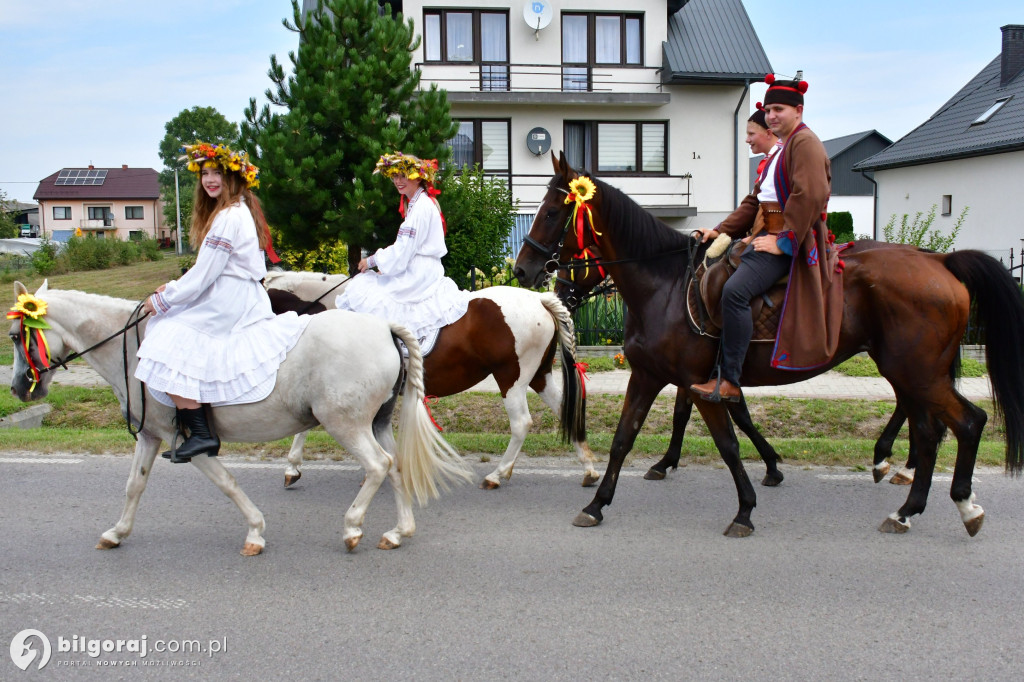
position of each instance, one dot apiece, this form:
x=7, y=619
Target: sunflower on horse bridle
x=582, y=190
x=30, y=311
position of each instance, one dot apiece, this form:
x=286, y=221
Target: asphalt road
x=499, y=585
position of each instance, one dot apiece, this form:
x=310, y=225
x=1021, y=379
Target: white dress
x=410, y=287
x=214, y=338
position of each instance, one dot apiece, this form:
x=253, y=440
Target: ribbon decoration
x=586, y=255
x=30, y=311
x=427, y=400
x=581, y=370
x=581, y=190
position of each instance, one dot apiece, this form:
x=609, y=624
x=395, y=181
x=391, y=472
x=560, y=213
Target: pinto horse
x=581, y=278
x=906, y=308
x=508, y=333
x=344, y=372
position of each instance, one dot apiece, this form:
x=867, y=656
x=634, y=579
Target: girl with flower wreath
x=213, y=338
x=409, y=287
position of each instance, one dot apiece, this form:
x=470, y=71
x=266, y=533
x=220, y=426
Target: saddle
x=704, y=297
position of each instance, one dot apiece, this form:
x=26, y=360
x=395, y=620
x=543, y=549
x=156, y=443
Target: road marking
x=39, y=460
x=88, y=599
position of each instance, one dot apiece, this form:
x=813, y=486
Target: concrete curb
x=29, y=418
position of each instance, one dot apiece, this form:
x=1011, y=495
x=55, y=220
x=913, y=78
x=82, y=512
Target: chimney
x=91, y=167
x=1013, y=53
x=124, y=166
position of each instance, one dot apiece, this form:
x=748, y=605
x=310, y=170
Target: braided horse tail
x=573, y=415
x=426, y=461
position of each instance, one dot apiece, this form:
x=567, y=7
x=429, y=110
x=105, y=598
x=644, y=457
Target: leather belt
x=769, y=218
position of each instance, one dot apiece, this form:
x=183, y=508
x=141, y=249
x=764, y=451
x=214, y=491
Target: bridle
x=52, y=362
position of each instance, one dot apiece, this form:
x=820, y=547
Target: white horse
x=508, y=333
x=344, y=373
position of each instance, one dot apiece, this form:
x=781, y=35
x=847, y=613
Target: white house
x=652, y=96
x=970, y=153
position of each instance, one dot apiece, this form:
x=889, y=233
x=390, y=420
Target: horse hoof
x=654, y=475
x=772, y=480
x=488, y=484
x=879, y=472
x=974, y=525
x=590, y=479
x=901, y=478
x=252, y=549
x=104, y=543
x=738, y=530
x=387, y=544
x=894, y=525
x=289, y=479
x=353, y=542
x=585, y=520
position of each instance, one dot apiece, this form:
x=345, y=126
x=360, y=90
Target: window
x=469, y=37
x=947, y=204
x=591, y=39
x=991, y=111
x=101, y=213
x=133, y=212
x=483, y=142
x=62, y=213
x=617, y=147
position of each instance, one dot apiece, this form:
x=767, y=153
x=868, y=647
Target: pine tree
x=351, y=97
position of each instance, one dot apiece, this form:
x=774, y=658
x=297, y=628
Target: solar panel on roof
x=81, y=176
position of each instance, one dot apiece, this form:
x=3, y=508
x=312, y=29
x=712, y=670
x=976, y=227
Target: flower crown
x=200, y=153
x=412, y=167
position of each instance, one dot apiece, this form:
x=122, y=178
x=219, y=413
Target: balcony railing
x=541, y=78
x=97, y=224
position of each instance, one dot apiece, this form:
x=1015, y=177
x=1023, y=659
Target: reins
x=305, y=309
x=134, y=319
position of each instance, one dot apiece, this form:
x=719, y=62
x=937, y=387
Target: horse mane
x=640, y=235
x=86, y=298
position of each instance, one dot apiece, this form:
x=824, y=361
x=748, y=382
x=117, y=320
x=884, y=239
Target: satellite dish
x=537, y=14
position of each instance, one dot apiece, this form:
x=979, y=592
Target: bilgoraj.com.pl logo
x=33, y=647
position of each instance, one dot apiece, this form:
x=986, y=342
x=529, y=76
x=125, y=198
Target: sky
x=95, y=81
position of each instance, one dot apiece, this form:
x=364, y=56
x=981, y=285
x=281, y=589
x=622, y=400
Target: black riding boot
x=201, y=438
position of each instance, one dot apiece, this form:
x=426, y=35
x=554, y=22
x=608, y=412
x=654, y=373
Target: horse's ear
x=554, y=162
x=19, y=289
x=43, y=289
x=564, y=169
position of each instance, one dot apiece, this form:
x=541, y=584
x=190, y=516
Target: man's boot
x=201, y=438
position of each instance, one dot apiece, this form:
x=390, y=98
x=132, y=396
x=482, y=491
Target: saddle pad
x=766, y=321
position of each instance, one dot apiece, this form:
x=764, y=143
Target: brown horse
x=906, y=308
x=585, y=278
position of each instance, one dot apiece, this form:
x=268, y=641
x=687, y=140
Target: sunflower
x=30, y=306
x=583, y=188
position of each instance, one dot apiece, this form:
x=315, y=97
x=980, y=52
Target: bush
x=44, y=260
x=480, y=214
x=919, y=232
x=840, y=224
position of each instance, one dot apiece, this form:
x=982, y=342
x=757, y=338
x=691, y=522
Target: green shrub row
x=90, y=253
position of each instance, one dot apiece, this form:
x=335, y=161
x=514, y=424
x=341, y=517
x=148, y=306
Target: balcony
x=107, y=223
x=665, y=196
x=546, y=84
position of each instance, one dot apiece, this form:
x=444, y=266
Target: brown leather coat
x=813, y=310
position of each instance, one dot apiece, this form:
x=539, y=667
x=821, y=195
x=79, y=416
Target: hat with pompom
x=758, y=117
x=784, y=92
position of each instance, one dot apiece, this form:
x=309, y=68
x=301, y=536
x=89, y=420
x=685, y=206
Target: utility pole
x=177, y=206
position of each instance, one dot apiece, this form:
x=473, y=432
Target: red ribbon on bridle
x=427, y=400
x=26, y=342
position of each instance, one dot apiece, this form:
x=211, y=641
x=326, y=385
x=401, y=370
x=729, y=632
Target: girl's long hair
x=205, y=208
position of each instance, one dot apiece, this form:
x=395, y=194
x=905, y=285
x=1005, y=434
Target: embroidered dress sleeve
x=210, y=262
x=411, y=236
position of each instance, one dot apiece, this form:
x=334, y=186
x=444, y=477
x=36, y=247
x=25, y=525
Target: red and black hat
x=758, y=117
x=784, y=92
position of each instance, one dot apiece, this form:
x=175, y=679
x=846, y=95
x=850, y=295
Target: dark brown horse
x=906, y=308
x=579, y=279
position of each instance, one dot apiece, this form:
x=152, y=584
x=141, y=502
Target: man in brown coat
x=786, y=213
